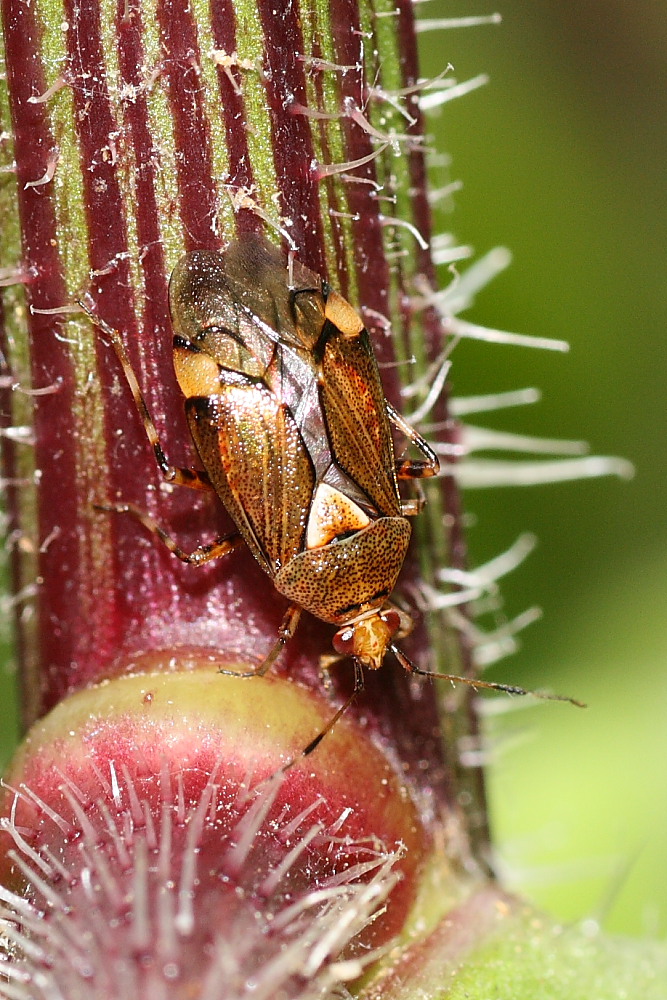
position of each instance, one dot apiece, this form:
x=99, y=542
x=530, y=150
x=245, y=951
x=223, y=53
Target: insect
x=286, y=410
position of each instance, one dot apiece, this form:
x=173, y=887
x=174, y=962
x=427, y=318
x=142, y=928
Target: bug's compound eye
x=343, y=641
x=393, y=620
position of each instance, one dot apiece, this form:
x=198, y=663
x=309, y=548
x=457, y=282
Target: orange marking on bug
x=332, y=514
x=197, y=374
x=339, y=312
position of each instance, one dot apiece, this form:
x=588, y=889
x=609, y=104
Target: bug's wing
x=356, y=416
x=238, y=306
x=258, y=464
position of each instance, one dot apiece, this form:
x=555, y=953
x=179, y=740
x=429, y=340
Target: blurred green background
x=562, y=157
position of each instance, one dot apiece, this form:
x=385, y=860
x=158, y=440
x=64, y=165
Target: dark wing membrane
x=356, y=417
x=240, y=301
x=257, y=462
x=291, y=305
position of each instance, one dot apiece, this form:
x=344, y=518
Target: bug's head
x=368, y=638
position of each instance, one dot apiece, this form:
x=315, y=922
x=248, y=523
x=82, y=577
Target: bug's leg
x=327, y=662
x=286, y=630
x=414, y=468
x=473, y=682
x=202, y=554
x=415, y=505
x=193, y=478
x=330, y=660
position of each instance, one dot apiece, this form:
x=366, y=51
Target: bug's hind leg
x=288, y=627
x=408, y=468
x=198, y=557
x=193, y=478
x=414, y=469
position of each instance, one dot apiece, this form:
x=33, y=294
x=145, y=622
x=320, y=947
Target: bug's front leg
x=194, y=478
x=286, y=630
x=202, y=554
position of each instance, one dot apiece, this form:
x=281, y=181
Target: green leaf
x=524, y=955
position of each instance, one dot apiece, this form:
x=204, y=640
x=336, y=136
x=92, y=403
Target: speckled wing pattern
x=356, y=418
x=258, y=464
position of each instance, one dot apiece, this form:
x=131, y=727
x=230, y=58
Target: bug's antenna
x=314, y=743
x=475, y=683
x=358, y=686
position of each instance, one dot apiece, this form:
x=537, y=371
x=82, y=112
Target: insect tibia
x=198, y=557
x=167, y=470
x=423, y=468
x=286, y=630
x=413, y=506
x=410, y=468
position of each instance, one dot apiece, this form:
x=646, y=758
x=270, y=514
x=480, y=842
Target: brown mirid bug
x=287, y=412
